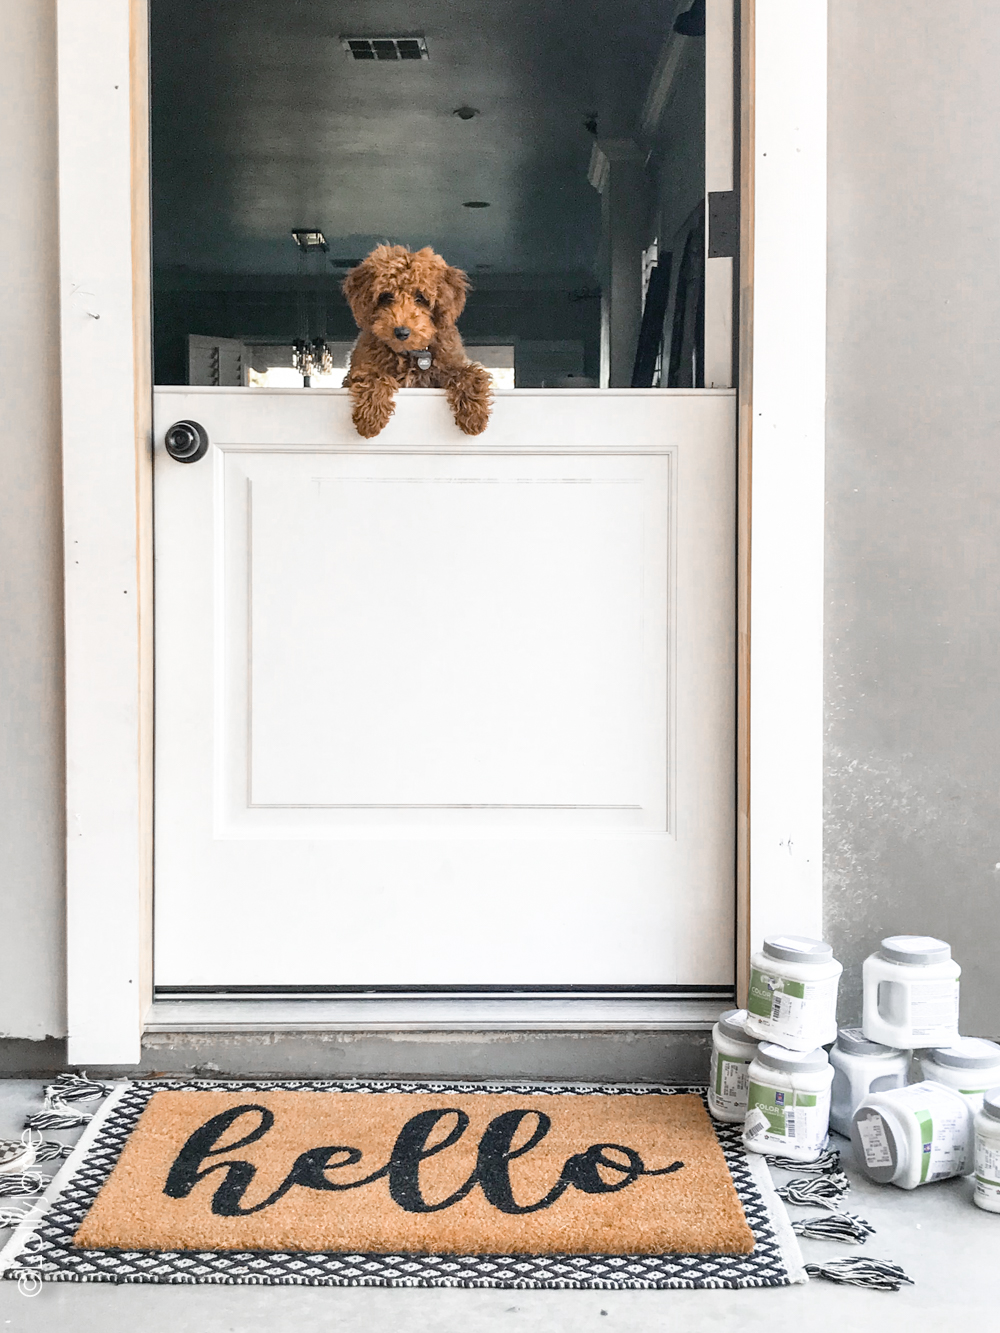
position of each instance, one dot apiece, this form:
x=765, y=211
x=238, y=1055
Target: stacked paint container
x=792, y=1013
x=769, y=1069
x=771, y=1073
x=913, y=1135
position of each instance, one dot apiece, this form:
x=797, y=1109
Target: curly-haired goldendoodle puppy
x=405, y=303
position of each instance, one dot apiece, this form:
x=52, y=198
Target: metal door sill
x=449, y=1013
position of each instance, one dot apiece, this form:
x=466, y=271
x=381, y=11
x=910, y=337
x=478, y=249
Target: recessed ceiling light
x=309, y=239
x=475, y=203
x=466, y=112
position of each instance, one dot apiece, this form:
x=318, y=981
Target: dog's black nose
x=402, y=334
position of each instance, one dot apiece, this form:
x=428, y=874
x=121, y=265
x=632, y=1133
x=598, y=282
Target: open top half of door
x=440, y=713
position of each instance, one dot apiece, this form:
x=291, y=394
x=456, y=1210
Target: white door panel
x=467, y=639
x=442, y=712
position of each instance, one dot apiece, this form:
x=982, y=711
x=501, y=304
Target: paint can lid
x=991, y=1103
x=915, y=949
x=776, y=1057
x=852, y=1041
x=797, y=949
x=875, y=1147
x=967, y=1053
x=731, y=1026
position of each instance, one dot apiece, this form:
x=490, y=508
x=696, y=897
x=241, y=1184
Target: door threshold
x=450, y=1013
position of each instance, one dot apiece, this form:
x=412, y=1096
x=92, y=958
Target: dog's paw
x=368, y=424
x=471, y=398
x=373, y=405
x=371, y=415
x=472, y=418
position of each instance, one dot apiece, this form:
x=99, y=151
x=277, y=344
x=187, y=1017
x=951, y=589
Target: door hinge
x=723, y=224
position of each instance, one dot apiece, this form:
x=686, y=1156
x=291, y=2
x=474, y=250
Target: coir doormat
x=409, y=1184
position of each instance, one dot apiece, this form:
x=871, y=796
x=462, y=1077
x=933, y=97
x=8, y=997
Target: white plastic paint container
x=911, y=993
x=788, y=1102
x=732, y=1051
x=793, y=992
x=987, y=1133
x=861, y=1067
x=970, y=1067
x=913, y=1136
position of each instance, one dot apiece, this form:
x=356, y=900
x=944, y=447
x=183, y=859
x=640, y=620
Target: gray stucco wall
x=913, y=486
x=32, y=838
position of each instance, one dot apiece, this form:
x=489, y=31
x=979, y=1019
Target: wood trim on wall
x=744, y=417
x=142, y=339
x=721, y=42
x=107, y=503
x=783, y=424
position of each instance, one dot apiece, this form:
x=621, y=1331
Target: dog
x=405, y=303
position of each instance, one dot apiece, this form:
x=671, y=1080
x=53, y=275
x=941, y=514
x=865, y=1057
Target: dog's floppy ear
x=357, y=288
x=449, y=302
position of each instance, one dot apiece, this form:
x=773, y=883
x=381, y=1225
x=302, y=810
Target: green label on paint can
x=783, y=1114
x=926, y=1122
x=731, y=1077
x=763, y=988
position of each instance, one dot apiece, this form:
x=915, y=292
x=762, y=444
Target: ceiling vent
x=385, y=48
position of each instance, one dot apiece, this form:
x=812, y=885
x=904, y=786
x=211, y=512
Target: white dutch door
x=443, y=712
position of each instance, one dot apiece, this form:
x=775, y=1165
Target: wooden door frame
x=104, y=256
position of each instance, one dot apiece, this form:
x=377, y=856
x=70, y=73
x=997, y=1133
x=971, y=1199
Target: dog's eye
x=385, y=298
x=420, y=298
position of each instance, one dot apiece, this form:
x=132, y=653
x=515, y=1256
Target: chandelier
x=311, y=357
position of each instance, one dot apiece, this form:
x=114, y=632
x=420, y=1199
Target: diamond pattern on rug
x=50, y=1253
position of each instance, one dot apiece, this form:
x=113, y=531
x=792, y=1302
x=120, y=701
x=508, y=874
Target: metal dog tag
x=424, y=360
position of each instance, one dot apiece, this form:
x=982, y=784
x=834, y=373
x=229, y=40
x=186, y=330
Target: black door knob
x=186, y=441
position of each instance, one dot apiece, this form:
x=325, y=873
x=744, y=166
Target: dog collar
x=423, y=359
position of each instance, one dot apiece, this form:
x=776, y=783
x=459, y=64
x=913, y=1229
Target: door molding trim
x=466, y=1013
x=102, y=53
x=106, y=402
x=782, y=423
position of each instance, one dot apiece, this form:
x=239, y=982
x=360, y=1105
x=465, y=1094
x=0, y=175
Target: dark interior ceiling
x=262, y=123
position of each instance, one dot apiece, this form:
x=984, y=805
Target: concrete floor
x=950, y=1248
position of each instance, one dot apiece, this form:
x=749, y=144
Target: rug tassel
x=825, y=1164
x=878, y=1274
x=29, y=1182
x=845, y=1227
x=56, y=1116
x=817, y=1192
x=51, y=1151
x=76, y=1088
x=57, y=1111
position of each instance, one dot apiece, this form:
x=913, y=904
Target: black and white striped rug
x=41, y=1248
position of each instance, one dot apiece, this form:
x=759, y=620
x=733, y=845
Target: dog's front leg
x=469, y=390
x=374, y=403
